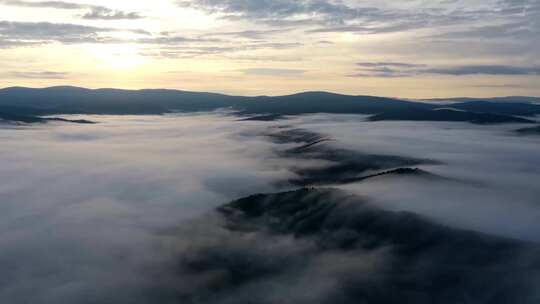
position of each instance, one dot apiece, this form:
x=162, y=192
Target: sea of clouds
x=88, y=213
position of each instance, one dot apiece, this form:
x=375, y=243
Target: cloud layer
x=399, y=69
x=119, y=211
x=492, y=166
x=84, y=207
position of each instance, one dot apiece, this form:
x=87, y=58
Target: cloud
x=273, y=72
x=169, y=50
x=399, y=69
x=126, y=205
x=166, y=45
x=342, y=16
x=501, y=29
x=498, y=30
x=249, y=34
x=7, y=44
x=507, y=31
x=95, y=12
x=103, y=13
x=35, y=33
x=273, y=10
x=89, y=210
x=485, y=70
x=44, y=4
x=388, y=64
x=501, y=86
x=323, y=246
x=326, y=16
x=475, y=157
x=38, y=75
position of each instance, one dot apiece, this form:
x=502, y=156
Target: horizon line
x=271, y=96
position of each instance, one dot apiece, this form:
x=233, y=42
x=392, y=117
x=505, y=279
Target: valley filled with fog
x=99, y=213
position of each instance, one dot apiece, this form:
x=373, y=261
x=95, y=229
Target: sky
x=409, y=49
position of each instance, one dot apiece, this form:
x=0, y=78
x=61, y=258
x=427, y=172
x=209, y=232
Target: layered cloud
x=30, y=33
x=37, y=75
x=483, y=38
x=398, y=69
x=371, y=16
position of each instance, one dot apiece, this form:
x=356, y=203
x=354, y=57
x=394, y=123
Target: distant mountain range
x=28, y=105
x=506, y=99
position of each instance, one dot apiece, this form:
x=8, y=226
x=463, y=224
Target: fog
x=493, y=172
x=102, y=213
x=82, y=206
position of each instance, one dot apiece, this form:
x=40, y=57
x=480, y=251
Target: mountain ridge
x=59, y=100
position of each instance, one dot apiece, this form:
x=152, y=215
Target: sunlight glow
x=118, y=56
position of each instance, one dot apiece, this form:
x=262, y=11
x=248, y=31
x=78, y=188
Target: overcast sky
x=412, y=48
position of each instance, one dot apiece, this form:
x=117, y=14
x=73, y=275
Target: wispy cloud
x=166, y=49
x=38, y=74
x=29, y=33
x=273, y=72
x=94, y=11
x=103, y=13
x=400, y=69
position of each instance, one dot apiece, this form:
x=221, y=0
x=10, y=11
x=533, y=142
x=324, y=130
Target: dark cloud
x=485, y=70
x=398, y=69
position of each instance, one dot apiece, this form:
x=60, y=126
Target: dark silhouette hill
x=73, y=100
x=337, y=165
x=22, y=115
x=326, y=246
x=447, y=114
x=323, y=102
x=504, y=99
x=508, y=108
x=529, y=131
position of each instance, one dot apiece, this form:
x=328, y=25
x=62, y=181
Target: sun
x=118, y=56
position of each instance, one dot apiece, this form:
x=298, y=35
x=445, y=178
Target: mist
x=491, y=173
x=123, y=210
x=83, y=206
